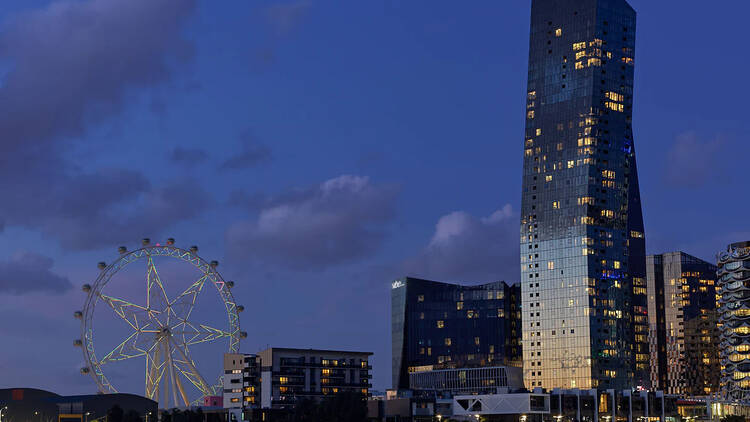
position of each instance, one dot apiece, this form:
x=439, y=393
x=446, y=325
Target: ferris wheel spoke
x=136, y=316
x=156, y=296
x=182, y=306
x=194, y=334
x=132, y=347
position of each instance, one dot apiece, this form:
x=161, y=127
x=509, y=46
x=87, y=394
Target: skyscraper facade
x=734, y=321
x=439, y=326
x=683, y=332
x=585, y=322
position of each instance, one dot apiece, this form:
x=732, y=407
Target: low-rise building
x=289, y=375
x=276, y=379
x=240, y=383
x=483, y=380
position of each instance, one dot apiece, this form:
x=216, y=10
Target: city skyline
x=245, y=130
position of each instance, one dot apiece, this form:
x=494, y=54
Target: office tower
x=684, y=337
x=583, y=260
x=733, y=282
x=439, y=326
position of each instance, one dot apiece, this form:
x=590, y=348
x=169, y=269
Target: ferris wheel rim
x=168, y=251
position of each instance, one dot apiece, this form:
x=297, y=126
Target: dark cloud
x=253, y=152
x=284, y=18
x=189, y=156
x=27, y=272
x=339, y=221
x=691, y=162
x=146, y=213
x=74, y=65
x=467, y=248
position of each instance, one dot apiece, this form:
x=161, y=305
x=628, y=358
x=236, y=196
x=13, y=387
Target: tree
x=131, y=416
x=342, y=407
x=306, y=410
x=115, y=414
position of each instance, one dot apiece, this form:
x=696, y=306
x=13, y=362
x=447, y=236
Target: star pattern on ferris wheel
x=160, y=315
x=161, y=330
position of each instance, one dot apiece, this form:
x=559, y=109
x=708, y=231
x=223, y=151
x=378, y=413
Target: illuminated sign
x=427, y=368
x=396, y=284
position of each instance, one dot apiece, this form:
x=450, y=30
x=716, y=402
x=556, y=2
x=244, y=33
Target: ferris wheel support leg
x=172, y=378
x=189, y=362
x=181, y=390
x=152, y=369
x=163, y=383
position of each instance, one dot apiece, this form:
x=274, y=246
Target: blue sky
x=318, y=149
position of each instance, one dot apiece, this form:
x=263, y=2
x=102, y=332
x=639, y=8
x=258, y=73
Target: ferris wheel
x=162, y=330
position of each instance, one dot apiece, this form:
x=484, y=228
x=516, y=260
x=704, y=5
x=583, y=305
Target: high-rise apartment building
x=683, y=332
x=734, y=320
x=583, y=260
x=440, y=326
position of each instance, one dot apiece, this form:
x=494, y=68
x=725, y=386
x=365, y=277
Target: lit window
x=558, y=32
x=530, y=114
x=459, y=305
x=579, y=65
x=441, y=324
x=476, y=341
x=556, y=205
x=615, y=96
x=448, y=341
x=548, y=178
x=532, y=95
x=538, y=132
x=500, y=313
x=579, y=46
x=551, y=265
x=420, y=298
x=614, y=106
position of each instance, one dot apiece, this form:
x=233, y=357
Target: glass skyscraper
x=585, y=322
x=440, y=326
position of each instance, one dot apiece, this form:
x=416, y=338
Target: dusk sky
x=318, y=150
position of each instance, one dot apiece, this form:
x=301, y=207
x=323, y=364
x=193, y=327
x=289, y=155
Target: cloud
x=71, y=66
x=74, y=63
x=339, y=221
x=147, y=212
x=464, y=247
x=253, y=152
x=189, y=156
x=692, y=162
x=27, y=272
x=284, y=18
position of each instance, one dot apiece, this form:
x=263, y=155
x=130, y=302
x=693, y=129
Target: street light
x=86, y=419
x=1, y=412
